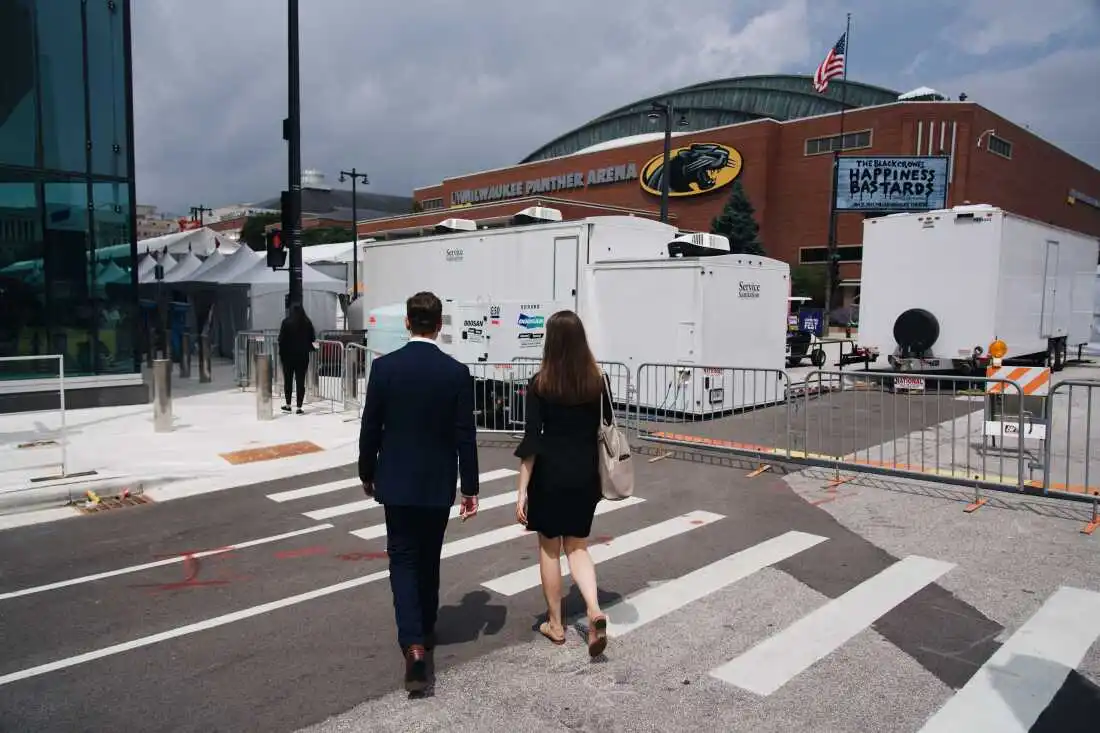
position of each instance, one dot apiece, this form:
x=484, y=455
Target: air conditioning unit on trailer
x=455, y=225
x=698, y=244
x=536, y=215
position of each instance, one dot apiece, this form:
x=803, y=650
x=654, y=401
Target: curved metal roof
x=721, y=102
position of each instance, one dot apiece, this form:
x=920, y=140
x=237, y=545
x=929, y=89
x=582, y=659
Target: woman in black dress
x=559, y=481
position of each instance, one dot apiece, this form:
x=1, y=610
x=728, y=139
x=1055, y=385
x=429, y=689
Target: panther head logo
x=700, y=164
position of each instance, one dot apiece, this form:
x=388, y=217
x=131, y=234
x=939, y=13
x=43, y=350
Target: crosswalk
x=1008, y=693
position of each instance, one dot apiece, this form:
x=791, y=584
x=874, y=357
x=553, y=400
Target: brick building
x=784, y=134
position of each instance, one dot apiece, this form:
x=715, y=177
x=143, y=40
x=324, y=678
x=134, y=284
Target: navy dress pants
x=414, y=539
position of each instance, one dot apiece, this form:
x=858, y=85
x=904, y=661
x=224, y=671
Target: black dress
x=565, y=482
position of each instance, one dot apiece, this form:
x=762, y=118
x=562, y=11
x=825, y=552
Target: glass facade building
x=67, y=215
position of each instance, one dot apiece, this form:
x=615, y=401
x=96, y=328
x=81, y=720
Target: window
x=852, y=141
x=1000, y=146
x=820, y=255
x=70, y=311
x=18, y=100
x=107, y=87
x=112, y=289
x=61, y=75
x=22, y=282
x=431, y=204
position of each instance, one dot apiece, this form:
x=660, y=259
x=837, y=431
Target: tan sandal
x=544, y=629
x=597, y=636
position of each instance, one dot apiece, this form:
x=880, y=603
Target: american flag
x=832, y=66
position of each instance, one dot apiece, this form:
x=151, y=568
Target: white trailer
x=537, y=262
x=646, y=293
x=939, y=287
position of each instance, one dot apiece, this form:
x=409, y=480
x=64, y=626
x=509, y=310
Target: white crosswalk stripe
x=1011, y=690
x=1001, y=696
x=521, y=580
x=772, y=663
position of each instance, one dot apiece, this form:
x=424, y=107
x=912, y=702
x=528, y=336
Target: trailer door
x=565, y=270
x=1050, y=291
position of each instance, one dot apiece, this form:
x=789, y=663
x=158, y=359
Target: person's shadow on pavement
x=472, y=617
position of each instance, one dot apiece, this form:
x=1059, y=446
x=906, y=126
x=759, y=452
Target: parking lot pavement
x=742, y=604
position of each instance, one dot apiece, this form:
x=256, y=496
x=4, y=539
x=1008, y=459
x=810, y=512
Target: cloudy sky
x=418, y=90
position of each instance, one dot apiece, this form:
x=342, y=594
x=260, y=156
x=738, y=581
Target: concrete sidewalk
x=217, y=442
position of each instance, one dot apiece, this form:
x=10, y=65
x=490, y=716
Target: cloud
x=984, y=26
x=419, y=90
x=1048, y=96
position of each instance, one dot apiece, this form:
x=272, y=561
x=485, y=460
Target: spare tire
x=916, y=331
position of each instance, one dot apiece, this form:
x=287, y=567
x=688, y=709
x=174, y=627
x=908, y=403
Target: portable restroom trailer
x=939, y=287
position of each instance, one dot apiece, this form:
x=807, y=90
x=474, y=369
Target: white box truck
x=939, y=287
x=646, y=293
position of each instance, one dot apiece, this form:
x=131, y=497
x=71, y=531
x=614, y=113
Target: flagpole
x=832, y=267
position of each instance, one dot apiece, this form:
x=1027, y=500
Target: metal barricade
x=246, y=345
x=727, y=408
x=48, y=433
x=357, y=361
x=500, y=395
x=1071, y=460
x=325, y=377
x=622, y=384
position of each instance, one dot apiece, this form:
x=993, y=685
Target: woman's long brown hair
x=569, y=372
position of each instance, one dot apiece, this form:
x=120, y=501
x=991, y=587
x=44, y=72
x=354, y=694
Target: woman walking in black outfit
x=559, y=480
x=296, y=342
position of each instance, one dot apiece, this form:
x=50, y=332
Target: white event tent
x=261, y=292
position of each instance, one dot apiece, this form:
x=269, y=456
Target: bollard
x=206, y=371
x=261, y=371
x=162, y=395
x=185, y=355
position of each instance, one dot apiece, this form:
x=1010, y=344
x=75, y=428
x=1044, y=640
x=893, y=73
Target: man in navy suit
x=418, y=436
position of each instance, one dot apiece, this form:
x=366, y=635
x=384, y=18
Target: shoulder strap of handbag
x=607, y=387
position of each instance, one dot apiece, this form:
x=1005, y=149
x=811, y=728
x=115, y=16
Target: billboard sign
x=694, y=169
x=887, y=183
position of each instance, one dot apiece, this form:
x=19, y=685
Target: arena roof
x=717, y=103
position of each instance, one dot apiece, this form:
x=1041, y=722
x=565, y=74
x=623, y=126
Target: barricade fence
x=48, y=447
x=972, y=431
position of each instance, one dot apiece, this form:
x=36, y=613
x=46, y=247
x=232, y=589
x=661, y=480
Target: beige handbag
x=616, y=465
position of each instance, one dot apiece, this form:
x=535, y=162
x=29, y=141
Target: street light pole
x=197, y=211
x=292, y=133
x=666, y=111
x=355, y=176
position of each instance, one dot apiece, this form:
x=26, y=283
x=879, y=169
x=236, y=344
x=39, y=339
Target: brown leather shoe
x=416, y=668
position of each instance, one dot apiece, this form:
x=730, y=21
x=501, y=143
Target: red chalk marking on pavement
x=697, y=521
x=363, y=556
x=604, y=539
x=303, y=552
x=191, y=566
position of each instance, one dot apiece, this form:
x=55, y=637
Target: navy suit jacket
x=418, y=429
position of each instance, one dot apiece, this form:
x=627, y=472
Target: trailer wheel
x=1060, y=349
x=817, y=357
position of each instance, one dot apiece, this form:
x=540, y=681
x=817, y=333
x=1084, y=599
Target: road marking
x=1016, y=684
x=315, y=490
x=490, y=502
x=450, y=549
x=521, y=580
x=333, y=486
x=160, y=563
x=775, y=661
x=653, y=603
x=365, y=504
x=341, y=509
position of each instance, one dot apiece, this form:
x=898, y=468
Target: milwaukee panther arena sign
x=548, y=184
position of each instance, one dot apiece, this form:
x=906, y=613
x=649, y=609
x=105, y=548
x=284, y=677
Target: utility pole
x=355, y=176
x=292, y=133
x=197, y=211
x=666, y=111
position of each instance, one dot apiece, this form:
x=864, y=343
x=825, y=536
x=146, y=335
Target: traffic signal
x=276, y=251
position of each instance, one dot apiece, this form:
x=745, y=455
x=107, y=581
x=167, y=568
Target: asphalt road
x=298, y=631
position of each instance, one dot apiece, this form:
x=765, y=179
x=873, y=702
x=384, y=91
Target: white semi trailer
x=939, y=287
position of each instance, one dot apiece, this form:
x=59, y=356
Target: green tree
x=738, y=222
x=809, y=281
x=252, y=231
x=326, y=235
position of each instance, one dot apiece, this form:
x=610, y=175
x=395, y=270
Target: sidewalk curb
x=55, y=495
